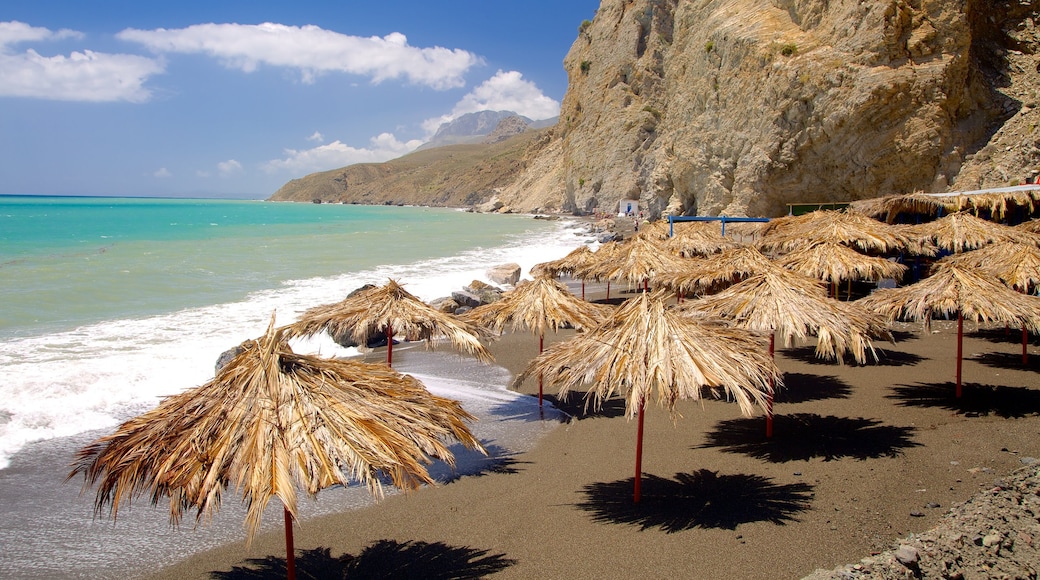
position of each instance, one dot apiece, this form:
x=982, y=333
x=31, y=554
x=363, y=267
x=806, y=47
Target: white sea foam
x=94, y=377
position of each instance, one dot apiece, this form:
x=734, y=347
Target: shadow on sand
x=1010, y=335
x=885, y=358
x=976, y=399
x=805, y=436
x=803, y=387
x=383, y=559
x=702, y=499
x=1012, y=362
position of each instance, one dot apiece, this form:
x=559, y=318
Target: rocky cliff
x=740, y=107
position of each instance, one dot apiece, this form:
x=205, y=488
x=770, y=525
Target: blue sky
x=234, y=98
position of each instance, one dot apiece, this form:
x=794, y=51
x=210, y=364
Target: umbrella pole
x=541, y=342
x=389, y=346
x=960, y=349
x=769, y=395
x=639, y=455
x=1025, y=341
x=290, y=552
x=608, y=289
x=583, y=288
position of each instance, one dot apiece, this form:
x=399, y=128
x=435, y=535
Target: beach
x=861, y=457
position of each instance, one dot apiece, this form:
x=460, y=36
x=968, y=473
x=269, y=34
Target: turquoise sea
x=109, y=304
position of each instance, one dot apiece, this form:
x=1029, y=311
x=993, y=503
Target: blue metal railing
x=673, y=218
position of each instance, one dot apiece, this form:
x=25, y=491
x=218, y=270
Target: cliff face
x=740, y=107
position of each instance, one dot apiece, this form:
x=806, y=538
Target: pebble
x=990, y=540
x=907, y=555
x=1029, y=460
x=917, y=514
x=932, y=505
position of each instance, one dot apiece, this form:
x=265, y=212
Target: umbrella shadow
x=802, y=387
x=701, y=499
x=576, y=407
x=1004, y=360
x=886, y=358
x=1012, y=335
x=975, y=400
x=383, y=559
x=804, y=436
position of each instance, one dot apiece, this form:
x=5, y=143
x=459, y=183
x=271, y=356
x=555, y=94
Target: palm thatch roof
x=796, y=307
x=270, y=423
x=961, y=231
x=1032, y=226
x=646, y=350
x=634, y=261
x=997, y=203
x=699, y=239
x=840, y=227
x=538, y=305
x=954, y=289
x=711, y=273
x=888, y=207
x=1017, y=265
x=392, y=310
x=577, y=258
x=833, y=262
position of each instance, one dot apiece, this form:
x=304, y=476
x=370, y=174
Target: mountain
x=477, y=127
x=740, y=107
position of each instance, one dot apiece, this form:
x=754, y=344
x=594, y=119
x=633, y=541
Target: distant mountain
x=477, y=127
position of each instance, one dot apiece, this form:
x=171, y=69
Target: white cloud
x=162, y=173
x=313, y=51
x=81, y=76
x=229, y=167
x=336, y=154
x=506, y=91
x=317, y=137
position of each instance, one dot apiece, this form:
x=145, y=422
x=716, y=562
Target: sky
x=235, y=98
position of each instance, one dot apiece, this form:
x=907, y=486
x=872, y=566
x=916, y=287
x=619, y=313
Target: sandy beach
x=861, y=456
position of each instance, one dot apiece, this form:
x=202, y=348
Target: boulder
x=446, y=304
x=477, y=287
x=227, y=356
x=465, y=298
x=504, y=274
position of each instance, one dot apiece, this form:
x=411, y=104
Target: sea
x=109, y=304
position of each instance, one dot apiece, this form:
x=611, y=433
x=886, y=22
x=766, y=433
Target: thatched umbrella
x=834, y=263
x=962, y=231
x=699, y=239
x=272, y=422
x=793, y=306
x=888, y=207
x=1032, y=226
x=391, y=309
x=954, y=288
x=590, y=270
x=645, y=349
x=709, y=273
x=841, y=227
x=578, y=258
x=636, y=262
x=539, y=305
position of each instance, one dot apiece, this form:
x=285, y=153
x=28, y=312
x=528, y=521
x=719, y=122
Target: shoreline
x=858, y=454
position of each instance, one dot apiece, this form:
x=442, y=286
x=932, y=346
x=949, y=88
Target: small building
x=628, y=207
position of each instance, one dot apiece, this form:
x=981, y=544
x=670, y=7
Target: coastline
x=859, y=453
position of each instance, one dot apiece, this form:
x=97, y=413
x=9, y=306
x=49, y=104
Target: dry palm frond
x=636, y=262
x=604, y=255
x=962, y=231
x=391, y=308
x=919, y=242
x=577, y=258
x=272, y=422
x=700, y=239
x=996, y=203
x=888, y=207
x=711, y=273
x=645, y=350
x=840, y=227
x=1032, y=226
x=954, y=289
x=1017, y=265
x=833, y=262
x=538, y=305
x=796, y=307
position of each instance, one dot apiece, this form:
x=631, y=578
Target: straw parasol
x=709, y=273
x=841, y=227
x=644, y=349
x=391, y=309
x=590, y=270
x=961, y=231
x=636, y=262
x=272, y=422
x=834, y=263
x=794, y=306
x=954, y=288
x=699, y=239
x=889, y=207
x=578, y=258
x=538, y=305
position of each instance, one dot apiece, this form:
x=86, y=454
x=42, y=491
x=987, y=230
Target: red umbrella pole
x=608, y=289
x=639, y=455
x=1025, y=341
x=389, y=346
x=541, y=342
x=583, y=288
x=960, y=349
x=290, y=553
x=769, y=395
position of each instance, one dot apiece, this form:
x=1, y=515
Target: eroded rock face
x=740, y=107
